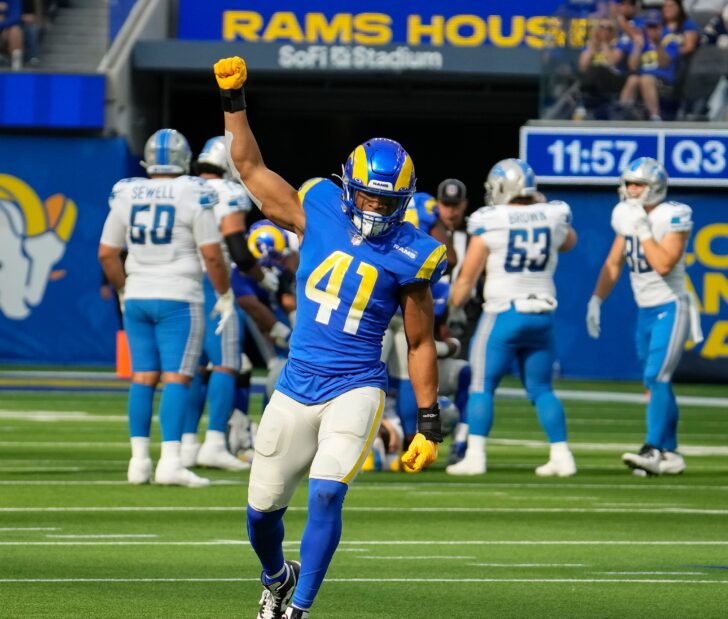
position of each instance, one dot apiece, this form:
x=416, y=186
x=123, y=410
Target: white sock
x=140, y=447
x=170, y=450
x=215, y=438
x=476, y=447
x=461, y=432
x=559, y=450
x=190, y=439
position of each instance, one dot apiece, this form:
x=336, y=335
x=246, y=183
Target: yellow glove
x=421, y=454
x=231, y=73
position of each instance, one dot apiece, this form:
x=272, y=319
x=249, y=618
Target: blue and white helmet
x=509, y=179
x=214, y=153
x=379, y=167
x=167, y=152
x=645, y=171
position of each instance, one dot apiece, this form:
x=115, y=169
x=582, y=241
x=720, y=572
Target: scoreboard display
x=596, y=155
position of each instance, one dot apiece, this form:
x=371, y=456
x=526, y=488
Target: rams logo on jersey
x=33, y=238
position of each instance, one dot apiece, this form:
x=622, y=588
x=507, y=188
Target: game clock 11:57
x=584, y=156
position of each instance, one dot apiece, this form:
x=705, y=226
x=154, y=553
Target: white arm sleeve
x=114, y=232
x=204, y=228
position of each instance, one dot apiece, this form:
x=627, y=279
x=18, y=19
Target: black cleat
x=277, y=595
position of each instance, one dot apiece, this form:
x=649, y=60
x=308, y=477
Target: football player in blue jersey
x=357, y=265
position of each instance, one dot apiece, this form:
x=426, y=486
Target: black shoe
x=277, y=595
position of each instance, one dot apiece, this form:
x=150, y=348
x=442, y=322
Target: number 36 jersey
x=649, y=287
x=347, y=290
x=162, y=221
x=523, y=243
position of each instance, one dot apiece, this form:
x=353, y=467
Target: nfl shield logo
x=356, y=239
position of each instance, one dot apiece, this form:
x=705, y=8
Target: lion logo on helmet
x=33, y=238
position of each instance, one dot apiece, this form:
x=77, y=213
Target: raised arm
x=663, y=256
x=272, y=194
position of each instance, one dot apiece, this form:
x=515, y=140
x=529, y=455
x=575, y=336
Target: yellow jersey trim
x=433, y=261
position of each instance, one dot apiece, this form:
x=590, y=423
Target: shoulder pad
x=480, y=221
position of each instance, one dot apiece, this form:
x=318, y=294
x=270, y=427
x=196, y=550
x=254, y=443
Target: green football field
x=77, y=541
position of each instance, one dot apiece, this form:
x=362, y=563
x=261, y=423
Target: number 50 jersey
x=347, y=290
x=523, y=243
x=162, y=221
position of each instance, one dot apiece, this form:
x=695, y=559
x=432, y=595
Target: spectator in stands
x=625, y=13
x=716, y=31
x=11, y=34
x=601, y=78
x=680, y=27
x=654, y=62
x=32, y=21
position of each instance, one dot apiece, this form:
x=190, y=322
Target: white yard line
x=405, y=581
x=528, y=564
x=106, y=536
x=8, y=529
x=418, y=557
x=59, y=416
x=607, y=396
x=381, y=509
x=366, y=543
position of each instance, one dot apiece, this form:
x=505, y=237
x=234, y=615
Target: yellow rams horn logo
x=33, y=238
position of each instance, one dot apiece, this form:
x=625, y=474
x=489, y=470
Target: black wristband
x=232, y=100
x=428, y=423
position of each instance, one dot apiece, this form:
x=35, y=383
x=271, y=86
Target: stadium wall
x=613, y=355
x=53, y=202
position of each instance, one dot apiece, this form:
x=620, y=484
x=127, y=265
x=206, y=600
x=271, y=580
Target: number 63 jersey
x=347, y=290
x=523, y=243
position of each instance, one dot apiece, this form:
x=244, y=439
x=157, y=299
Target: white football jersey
x=649, y=287
x=162, y=222
x=232, y=198
x=523, y=241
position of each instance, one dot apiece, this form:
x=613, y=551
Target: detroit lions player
x=221, y=349
x=517, y=241
x=162, y=221
x=651, y=236
x=357, y=265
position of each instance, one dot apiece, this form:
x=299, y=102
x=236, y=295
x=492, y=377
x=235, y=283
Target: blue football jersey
x=347, y=290
x=422, y=211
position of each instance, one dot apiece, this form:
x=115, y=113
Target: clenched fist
x=231, y=73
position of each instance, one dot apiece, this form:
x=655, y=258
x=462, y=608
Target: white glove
x=449, y=347
x=640, y=221
x=594, y=316
x=280, y=334
x=270, y=280
x=225, y=307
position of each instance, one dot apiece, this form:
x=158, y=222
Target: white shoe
x=648, y=459
x=188, y=453
x=139, y=471
x=672, y=463
x=217, y=457
x=561, y=465
x=172, y=473
x=469, y=465
x=240, y=433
